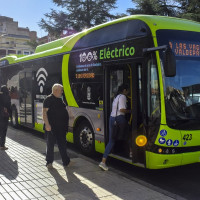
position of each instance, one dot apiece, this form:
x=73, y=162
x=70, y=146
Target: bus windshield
x=182, y=92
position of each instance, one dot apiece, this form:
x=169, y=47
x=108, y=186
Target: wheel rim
x=86, y=138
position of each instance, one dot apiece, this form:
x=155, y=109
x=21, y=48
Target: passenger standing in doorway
x=5, y=112
x=56, y=119
x=119, y=109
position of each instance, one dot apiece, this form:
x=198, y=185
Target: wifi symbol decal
x=41, y=78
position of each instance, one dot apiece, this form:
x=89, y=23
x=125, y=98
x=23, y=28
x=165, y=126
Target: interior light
x=141, y=140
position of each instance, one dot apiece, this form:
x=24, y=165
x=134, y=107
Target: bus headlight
x=141, y=140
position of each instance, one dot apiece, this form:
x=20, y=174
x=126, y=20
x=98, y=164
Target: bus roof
x=66, y=44
x=53, y=44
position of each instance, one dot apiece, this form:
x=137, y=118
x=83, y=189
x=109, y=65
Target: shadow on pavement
x=69, y=186
x=8, y=167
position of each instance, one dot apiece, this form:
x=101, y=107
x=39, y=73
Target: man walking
x=56, y=119
x=5, y=112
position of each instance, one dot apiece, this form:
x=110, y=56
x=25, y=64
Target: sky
x=29, y=12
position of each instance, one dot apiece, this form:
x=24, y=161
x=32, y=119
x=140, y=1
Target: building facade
x=14, y=39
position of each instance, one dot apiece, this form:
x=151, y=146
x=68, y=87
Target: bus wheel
x=85, y=138
x=14, y=117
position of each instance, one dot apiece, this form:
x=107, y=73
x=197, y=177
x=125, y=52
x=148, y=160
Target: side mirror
x=169, y=63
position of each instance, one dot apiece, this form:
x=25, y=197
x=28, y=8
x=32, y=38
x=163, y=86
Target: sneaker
x=49, y=165
x=3, y=148
x=103, y=166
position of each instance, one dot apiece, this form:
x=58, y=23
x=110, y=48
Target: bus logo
x=41, y=78
x=88, y=57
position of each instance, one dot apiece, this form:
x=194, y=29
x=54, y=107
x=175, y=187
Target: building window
x=11, y=52
x=26, y=53
x=2, y=52
x=19, y=52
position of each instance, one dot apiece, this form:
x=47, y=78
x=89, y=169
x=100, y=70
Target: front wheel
x=85, y=138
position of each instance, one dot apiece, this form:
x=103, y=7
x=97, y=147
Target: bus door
x=25, y=99
x=130, y=74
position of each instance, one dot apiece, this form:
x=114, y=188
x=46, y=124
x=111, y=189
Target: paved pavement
x=23, y=175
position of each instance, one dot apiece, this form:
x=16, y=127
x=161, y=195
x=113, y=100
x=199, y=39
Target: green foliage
x=79, y=14
x=33, y=44
x=120, y=15
x=153, y=7
x=189, y=9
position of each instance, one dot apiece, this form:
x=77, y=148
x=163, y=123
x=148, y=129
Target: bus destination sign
x=185, y=48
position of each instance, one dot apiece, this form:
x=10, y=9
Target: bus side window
x=153, y=91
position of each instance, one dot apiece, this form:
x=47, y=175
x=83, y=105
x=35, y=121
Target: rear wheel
x=14, y=118
x=85, y=138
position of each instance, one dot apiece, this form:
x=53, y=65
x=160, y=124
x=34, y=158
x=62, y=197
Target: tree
x=33, y=44
x=154, y=7
x=189, y=9
x=80, y=14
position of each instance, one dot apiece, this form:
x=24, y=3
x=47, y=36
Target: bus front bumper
x=159, y=161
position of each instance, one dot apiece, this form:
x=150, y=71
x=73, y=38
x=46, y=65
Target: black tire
x=85, y=138
x=14, y=118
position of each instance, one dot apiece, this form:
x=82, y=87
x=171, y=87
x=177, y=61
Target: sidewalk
x=23, y=175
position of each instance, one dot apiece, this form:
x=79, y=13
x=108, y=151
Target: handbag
x=115, y=130
x=116, y=126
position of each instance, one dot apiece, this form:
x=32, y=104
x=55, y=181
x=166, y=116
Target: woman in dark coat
x=5, y=112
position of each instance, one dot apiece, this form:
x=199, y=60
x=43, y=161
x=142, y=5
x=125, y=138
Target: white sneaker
x=103, y=166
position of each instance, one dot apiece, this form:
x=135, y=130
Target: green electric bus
x=158, y=57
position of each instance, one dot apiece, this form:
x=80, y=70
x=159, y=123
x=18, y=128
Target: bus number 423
x=187, y=137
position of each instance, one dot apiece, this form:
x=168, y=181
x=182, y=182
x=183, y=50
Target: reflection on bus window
x=116, y=80
x=88, y=95
x=188, y=99
x=153, y=91
x=183, y=93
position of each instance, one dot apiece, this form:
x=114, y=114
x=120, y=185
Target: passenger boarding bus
x=158, y=57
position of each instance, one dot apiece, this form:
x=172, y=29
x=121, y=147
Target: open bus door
x=138, y=126
x=25, y=99
x=130, y=74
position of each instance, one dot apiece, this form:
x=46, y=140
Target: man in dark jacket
x=56, y=119
x=5, y=112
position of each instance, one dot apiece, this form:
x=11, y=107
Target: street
x=180, y=182
x=122, y=181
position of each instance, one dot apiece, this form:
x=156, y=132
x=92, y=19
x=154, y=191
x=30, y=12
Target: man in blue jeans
x=119, y=109
x=56, y=119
